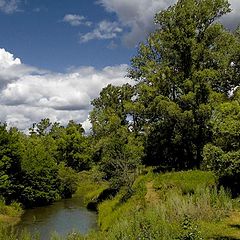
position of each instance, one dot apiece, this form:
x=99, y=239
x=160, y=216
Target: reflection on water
x=61, y=217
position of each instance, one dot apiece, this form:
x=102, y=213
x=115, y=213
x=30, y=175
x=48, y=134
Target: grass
x=10, y=214
x=228, y=228
x=180, y=205
x=161, y=203
x=185, y=181
x=90, y=186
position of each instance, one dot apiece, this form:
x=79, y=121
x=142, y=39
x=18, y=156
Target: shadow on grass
x=235, y=226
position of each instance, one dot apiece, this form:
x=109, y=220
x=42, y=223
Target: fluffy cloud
x=232, y=20
x=9, y=6
x=7, y=60
x=76, y=20
x=12, y=69
x=104, y=30
x=31, y=94
x=137, y=15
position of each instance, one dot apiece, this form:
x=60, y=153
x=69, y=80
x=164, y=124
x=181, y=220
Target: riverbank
x=90, y=186
x=168, y=206
x=10, y=214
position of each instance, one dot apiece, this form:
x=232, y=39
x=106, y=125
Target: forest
x=162, y=160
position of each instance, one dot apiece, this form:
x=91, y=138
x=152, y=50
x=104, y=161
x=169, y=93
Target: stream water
x=61, y=217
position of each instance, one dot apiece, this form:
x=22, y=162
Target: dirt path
x=151, y=196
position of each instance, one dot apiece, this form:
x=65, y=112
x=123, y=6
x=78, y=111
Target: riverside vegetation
x=163, y=158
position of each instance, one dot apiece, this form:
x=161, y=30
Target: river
x=61, y=217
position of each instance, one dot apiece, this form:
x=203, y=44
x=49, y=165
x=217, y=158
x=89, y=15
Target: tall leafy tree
x=186, y=60
x=110, y=112
x=117, y=148
x=40, y=184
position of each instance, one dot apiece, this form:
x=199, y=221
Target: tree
x=189, y=58
x=73, y=148
x=41, y=128
x=40, y=184
x=10, y=165
x=222, y=155
x=117, y=148
x=68, y=180
x=120, y=156
x=110, y=112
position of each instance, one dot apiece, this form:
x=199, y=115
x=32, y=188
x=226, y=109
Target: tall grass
x=193, y=196
x=12, y=210
x=205, y=204
x=185, y=181
x=164, y=220
x=90, y=185
x=9, y=233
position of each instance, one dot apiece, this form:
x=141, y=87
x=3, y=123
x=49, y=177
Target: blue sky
x=57, y=55
x=38, y=34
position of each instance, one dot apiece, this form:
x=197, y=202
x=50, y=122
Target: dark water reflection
x=61, y=217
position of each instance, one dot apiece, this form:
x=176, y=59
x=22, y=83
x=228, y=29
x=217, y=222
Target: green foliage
x=189, y=231
x=110, y=109
x=121, y=155
x=139, y=225
x=9, y=163
x=39, y=172
x=32, y=168
x=90, y=185
x=76, y=152
x=73, y=147
x=175, y=214
x=68, y=180
x=10, y=233
x=187, y=182
x=12, y=210
x=189, y=58
x=223, y=154
x=118, y=150
x=41, y=128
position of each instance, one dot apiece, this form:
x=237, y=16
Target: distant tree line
x=42, y=167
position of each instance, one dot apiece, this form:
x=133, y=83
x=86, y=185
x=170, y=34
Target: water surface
x=61, y=217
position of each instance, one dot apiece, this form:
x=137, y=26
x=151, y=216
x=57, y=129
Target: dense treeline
x=182, y=113
x=40, y=168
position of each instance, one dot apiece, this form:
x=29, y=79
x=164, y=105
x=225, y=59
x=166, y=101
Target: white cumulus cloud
x=30, y=94
x=137, y=15
x=7, y=59
x=76, y=20
x=103, y=30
